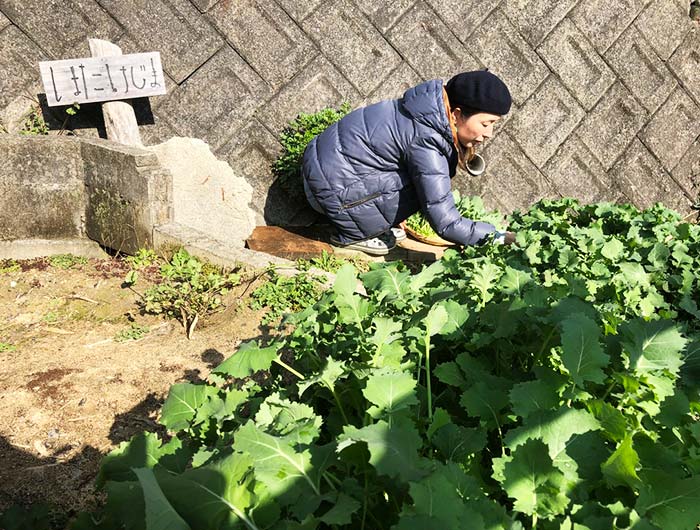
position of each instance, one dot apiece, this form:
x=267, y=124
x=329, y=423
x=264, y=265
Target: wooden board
x=120, y=119
x=279, y=242
x=97, y=79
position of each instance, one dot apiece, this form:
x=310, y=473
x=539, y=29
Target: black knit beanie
x=481, y=91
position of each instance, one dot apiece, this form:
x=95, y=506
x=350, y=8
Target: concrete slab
x=180, y=32
x=665, y=23
x=644, y=180
x=353, y=44
x=545, y=121
x=642, y=71
x=201, y=245
x=265, y=36
x=610, y=128
x=572, y=57
x=674, y=128
x=501, y=48
x=427, y=44
x=39, y=248
x=207, y=195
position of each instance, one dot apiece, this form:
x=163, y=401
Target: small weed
x=189, y=289
x=34, y=123
x=8, y=265
x=50, y=317
x=281, y=294
x=6, y=346
x=133, y=332
x=144, y=257
x=66, y=261
x=331, y=263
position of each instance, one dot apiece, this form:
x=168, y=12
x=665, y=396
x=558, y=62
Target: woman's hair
x=465, y=155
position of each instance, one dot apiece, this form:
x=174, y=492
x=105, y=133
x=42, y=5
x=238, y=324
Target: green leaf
x=143, y=450
x=612, y=421
x=277, y=463
x=582, y=354
x=513, y=281
x=352, y=308
x=484, y=280
x=437, y=498
x=249, y=359
x=653, y=346
x=556, y=428
x=530, y=478
x=390, y=282
x=457, y=443
x=219, y=408
x=456, y=317
x=183, y=401
x=485, y=401
x=621, y=467
x=295, y=422
x=342, y=510
x=390, y=391
x=440, y=418
x=386, y=338
x=160, y=515
x=332, y=371
x=436, y=320
x=613, y=249
x=532, y=396
x=216, y=495
x=393, y=449
x=671, y=503
x=450, y=374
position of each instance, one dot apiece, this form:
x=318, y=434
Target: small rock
x=53, y=433
x=13, y=284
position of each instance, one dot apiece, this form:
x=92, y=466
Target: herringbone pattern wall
x=606, y=93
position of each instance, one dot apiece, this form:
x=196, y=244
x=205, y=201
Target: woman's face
x=475, y=129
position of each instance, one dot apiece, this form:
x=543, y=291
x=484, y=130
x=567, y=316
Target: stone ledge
x=38, y=248
x=201, y=245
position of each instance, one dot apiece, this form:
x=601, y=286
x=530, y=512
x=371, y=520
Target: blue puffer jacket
x=382, y=163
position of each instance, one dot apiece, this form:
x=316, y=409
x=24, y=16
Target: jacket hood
x=425, y=104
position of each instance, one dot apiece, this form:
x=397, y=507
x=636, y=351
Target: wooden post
x=120, y=118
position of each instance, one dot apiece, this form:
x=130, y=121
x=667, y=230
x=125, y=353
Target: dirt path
x=70, y=392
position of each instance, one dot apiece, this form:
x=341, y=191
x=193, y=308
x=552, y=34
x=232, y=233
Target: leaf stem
x=364, y=504
x=287, y=367
x=340, y=405
x=538, y=355
x=427, y=377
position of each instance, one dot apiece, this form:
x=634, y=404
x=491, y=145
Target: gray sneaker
x=398, y=233
x=376, y=246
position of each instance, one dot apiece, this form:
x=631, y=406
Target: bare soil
x=70, y=392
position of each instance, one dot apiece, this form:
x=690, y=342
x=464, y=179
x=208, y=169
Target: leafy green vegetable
x=554, y=384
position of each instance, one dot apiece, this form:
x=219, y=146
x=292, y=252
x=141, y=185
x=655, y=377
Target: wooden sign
x=97, y=79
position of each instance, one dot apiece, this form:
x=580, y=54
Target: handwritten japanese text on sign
x=98, y=79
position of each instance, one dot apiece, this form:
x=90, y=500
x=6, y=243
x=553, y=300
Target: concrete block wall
x=607, y=93
x=57, y=188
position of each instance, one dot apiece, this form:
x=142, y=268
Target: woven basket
x=432, y=240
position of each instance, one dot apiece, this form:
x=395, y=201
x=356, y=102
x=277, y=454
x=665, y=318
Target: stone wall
x=606, y=93
x=57, y=188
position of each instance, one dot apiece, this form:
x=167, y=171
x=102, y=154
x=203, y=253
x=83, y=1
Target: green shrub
x=549, y=385
x=294, y=139
x=190, y=290
x=283, y=294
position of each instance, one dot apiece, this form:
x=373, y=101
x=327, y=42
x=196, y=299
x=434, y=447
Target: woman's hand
x=504, y=238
